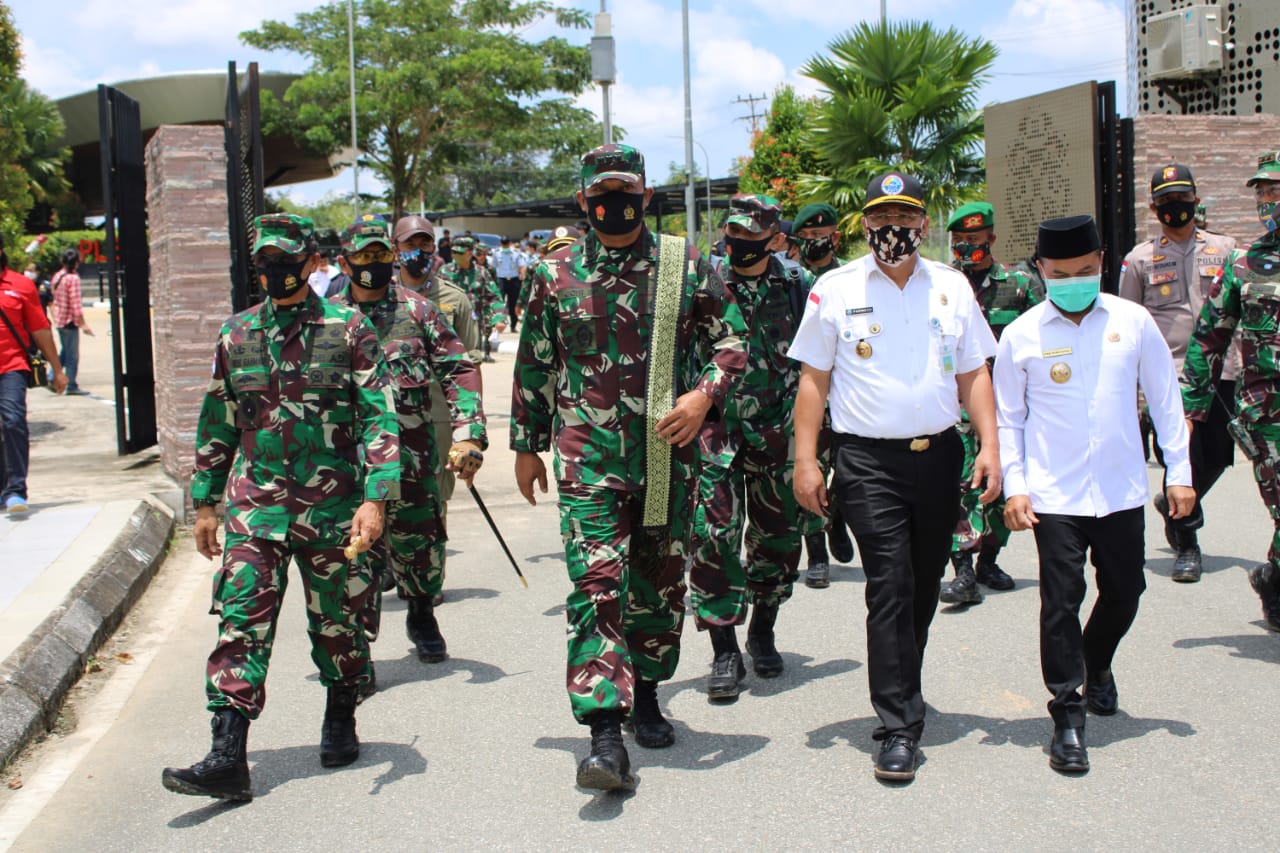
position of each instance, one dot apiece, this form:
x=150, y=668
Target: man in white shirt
x=898, y=342
x=1066, y=376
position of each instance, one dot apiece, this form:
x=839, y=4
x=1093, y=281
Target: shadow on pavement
x=1212, y=563
x=538, y=558
x=606, y=805
x=273, y=767
x=693, y=750
x=558, y=610
x=1028, y=733
x=465, y=593
x=408, y=669
x=1264, y=647
x=799, y=670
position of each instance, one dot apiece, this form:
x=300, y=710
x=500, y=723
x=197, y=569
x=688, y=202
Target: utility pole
x=355, y=152
x=603, y=65
x=755, y=117
x=690, y=202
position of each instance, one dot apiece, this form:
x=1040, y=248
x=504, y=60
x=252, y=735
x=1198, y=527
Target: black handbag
x=38, y=376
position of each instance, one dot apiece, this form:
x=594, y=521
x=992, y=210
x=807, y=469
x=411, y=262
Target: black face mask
x=372, y=276
x=746, y=253
x=415, y=263
x=281, y=280
x=616, y=212
x=1176, y=214
x=814, y=249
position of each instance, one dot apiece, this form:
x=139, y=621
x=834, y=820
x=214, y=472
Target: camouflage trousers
x=980, y=525
x=627, y=605
x=247, y=592
x=753, y=492
x=413, y=544
x=1265, y=472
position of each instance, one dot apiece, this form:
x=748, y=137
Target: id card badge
x=947, y=355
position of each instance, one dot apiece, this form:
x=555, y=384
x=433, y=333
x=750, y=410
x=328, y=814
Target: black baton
x=485, y=512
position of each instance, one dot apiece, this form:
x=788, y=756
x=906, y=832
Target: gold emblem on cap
x=1114, y=337
x=1060, y=372
x=863, y=349
x=875, y=328
x=1165, y=290
x=943, y=298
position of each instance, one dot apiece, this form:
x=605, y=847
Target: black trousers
x=1118, y=553
x=902, y=508
x=510, y=289
x=1211, y=450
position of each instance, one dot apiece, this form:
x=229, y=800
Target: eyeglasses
x=371, y=256
x=894, y=218
x=1267, y=192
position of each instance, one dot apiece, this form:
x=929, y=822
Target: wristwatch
x=198, y=503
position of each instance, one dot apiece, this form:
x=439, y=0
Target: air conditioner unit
x=1184, y=44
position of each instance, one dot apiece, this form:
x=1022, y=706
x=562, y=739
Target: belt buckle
x=919, y=445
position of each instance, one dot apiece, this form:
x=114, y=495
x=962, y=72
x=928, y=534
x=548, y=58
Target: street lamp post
x=689, y=191
x=351, y=59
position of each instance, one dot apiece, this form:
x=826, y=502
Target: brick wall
x=190, y=290
x=1222, y=152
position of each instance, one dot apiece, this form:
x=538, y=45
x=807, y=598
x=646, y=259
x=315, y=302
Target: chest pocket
x=1162, y=285
x=326, y=396
x=860, y=339
x=584, y=326
x=251, y=386
x=410, y=373
x=1260, y=308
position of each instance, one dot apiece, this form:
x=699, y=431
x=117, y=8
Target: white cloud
x=52, y=71
x=184, y=22
x=835, y=15
x=1081, y=33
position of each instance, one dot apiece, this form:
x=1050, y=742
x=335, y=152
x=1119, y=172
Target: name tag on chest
x=1054, y=353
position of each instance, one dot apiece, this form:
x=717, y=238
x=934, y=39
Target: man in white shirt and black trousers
x=899, y=343
x=1067, y=373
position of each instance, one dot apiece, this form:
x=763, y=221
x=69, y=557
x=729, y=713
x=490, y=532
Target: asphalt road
x=479, y=752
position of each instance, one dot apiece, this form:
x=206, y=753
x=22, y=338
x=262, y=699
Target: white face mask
x=29, y=274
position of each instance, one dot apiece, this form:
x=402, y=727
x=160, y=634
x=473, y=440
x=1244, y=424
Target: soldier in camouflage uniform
x=745, y=476
x=1002, y=293
x=299, y=431
x=421, y=351
x=415, y=245
x=816, y=236
x=1247, y=295
x=477, y=281
x=629, y=341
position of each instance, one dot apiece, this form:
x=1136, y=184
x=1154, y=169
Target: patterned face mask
x=893, y=245
x=1269, y=215
x=970, y=255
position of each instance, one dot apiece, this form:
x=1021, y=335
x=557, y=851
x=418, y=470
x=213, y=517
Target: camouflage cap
x=814, y=216
x=561, y=237
x=612, y=162
x=365, y=230
x=894, y=188
x=464, y=244
x=756, y=213
x=1268, y=168
x=288, y=232
x=1173, y=178
x=409, y=226
x=974, y=216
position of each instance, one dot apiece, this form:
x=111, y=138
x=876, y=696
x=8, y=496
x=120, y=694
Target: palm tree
x=899, y=96
x=42, y=158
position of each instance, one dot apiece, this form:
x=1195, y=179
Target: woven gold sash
x=660, y=391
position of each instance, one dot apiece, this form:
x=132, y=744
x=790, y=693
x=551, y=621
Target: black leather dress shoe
x=1100, y=693
x=897, y=759
x=1067, y=753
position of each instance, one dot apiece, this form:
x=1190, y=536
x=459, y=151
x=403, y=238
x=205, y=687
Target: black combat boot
x=819, y=574
x=1266, y=583
x=989, y=574
x=727, y=668
x=1186, y=565
x=838, y=536
x=765, y=659
x=651, y=728
x=424, y=633
x=608, y=767
x=964, y=589
x=339, y=745
x=224, y=772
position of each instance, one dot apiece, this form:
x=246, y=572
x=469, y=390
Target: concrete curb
x=37, y=676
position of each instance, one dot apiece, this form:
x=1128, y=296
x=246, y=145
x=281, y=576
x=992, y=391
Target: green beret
x=973, y=216
x=814, y=216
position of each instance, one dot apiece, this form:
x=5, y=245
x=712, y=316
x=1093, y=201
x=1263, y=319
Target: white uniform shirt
x=1065, y=395
x=894, y=353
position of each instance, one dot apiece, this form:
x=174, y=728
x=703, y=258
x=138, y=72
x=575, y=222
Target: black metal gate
x=244, y=181
x=1114, y=182
x=124, y=195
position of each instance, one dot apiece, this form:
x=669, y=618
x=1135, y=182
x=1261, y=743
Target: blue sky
x=740, y=48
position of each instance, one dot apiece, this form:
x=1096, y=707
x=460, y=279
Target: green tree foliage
x=14, y=198
x=445, y=91
x=899, y=96
x=782, y=153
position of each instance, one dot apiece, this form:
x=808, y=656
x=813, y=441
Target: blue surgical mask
x=1075, y=294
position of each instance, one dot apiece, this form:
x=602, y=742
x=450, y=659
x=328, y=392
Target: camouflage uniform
x=478, y=283
x=747, y=462
x=580, y=381
x=422, y=353
x=1246, y=296
x=298, y=428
